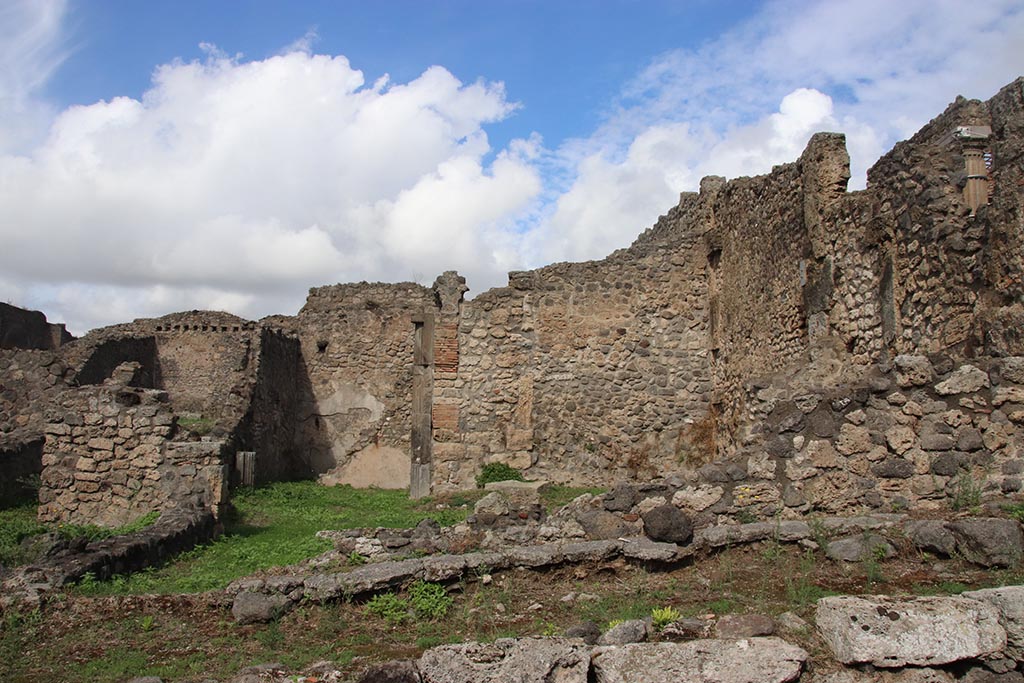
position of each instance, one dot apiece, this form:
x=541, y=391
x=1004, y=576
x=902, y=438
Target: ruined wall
x=357, y=347
x=915, y=434
x=29, y=381
x=24, y=329
x=580, y=372
x=269, y=428
x=108, y=458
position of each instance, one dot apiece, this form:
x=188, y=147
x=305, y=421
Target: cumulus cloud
x=238, y=184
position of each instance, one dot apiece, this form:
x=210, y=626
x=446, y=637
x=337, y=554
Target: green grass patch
x=555, y=496
x=198, y=425
x=275, y=525
x=17, y=524
x=497, y=471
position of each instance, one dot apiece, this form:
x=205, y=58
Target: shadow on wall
x=107, y=356
x=273, y=427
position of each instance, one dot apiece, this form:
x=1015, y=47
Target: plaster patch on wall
x=380, y=466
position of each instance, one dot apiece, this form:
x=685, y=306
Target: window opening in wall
x=321, y=346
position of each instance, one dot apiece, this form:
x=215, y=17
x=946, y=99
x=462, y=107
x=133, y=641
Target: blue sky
x=161, y=156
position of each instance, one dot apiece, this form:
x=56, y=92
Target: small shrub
x=355, y=559
x=966, y=493
x=389, y=607
x=663, y=616
x=497, y=471
x=1015, y=510
x=200, y=426
x=429, y=600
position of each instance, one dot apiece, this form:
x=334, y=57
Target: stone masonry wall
x=108, y=459
x=24, y=329
x=581, y=372
x=357, y=347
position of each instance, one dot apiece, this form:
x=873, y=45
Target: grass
x=198, y=425
x=16, y=524
x=555, y=496
x=111, y=639
x=19, y=522
x=275, y=525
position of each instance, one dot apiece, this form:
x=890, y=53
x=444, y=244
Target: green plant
x=198, y=425
x=389, y=607
x=429, y=600
x=355, y=559
x=663, y=616
x=721, y=606
x=555, y=496
x=746, y=517
x=550, y=630
x=1015, y=510
x=613, y=623
x=98, y=533
x=146, y=623
x=497, y=471
x=966, y=493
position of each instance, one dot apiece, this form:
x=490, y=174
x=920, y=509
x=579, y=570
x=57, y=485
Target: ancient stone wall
x=580, y=372
x=357, y=347
x=654, y=360
x=24, y=329
x=108, y=459
x=269, y=428
x=29, y=381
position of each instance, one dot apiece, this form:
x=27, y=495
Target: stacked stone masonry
x=762, y=326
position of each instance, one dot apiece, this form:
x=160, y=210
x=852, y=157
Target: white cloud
x=751, y=98
x=30, y=51
x=244, y=183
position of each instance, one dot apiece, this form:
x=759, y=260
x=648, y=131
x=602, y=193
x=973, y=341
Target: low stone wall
x=108, y=459
x=174, y=532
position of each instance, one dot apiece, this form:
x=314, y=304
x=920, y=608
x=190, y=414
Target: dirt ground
x=194, y=638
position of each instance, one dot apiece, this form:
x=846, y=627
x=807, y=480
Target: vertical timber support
x=422, y=405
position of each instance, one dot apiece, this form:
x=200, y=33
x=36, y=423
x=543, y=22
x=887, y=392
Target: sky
x=164, y=156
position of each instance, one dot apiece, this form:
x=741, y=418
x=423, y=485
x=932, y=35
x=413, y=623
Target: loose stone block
x=889, y=632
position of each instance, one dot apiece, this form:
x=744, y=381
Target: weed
x=198, y=425
x=276, y=525
x=721, y=606
x=966, y=493
x=429, y=600
x=819, y=533
x=16, y=524
x=497, y=471
x=613, y=623
x=1015, y=510
x=389, y=607
x=663, y=616
x=746, y=517
x=271, y=637
x=554, y=497
x=771, y=551
x=550, y=630
x=355, y=559
x=147, y=623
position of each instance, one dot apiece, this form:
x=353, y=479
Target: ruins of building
x=825, y=348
